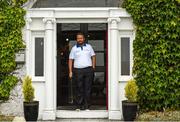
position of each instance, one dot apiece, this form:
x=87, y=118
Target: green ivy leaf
x=156, y=51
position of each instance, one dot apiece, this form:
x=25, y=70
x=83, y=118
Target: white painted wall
x=37, y=24
x=40, y=95
x=126, y=24
x=121, y=93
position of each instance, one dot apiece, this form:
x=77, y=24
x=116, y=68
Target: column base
x=115, y=115
x=49, y=115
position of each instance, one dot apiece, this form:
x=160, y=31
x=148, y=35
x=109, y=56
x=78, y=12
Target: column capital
x=49, y=23
x=49, y=20
x=113, y=22
x=28, y=22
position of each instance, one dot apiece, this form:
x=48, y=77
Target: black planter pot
x=129, y=110
x=31, y=110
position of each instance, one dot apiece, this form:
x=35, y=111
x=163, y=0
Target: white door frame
x=51, y=16
x=72, y=113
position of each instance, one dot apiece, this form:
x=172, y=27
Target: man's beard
x=80, y=43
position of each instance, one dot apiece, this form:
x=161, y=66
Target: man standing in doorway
x=82, y=63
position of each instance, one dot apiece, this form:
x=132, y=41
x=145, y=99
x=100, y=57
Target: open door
x=96, y=35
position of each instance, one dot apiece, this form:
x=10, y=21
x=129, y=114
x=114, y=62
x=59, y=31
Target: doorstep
x=86, y=120
x=82, y=114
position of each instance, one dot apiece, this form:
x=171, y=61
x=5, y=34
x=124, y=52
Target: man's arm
x=70, y=64
x=94, y=61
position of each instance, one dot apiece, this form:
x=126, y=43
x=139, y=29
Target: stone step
x=21, y=119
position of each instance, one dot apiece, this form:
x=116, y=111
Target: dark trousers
x=83, y=79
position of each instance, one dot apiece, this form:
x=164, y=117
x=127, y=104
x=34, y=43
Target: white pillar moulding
x=49, y=111
x=114, y=106
x=28, y=45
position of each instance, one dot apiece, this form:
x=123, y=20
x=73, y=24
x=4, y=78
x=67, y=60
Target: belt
x=84, y=68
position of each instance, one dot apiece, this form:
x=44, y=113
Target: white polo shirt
x=82, y=56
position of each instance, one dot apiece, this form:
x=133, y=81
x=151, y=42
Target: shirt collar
x=78, y=45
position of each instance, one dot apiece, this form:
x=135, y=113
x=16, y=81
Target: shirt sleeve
x=92, y=51
x=71, y=55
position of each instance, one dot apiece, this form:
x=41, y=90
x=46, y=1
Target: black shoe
x=86, y=107
x=78, y=108
x=82, y=107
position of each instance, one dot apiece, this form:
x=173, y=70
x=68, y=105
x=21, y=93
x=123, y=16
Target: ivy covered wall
x=156, y=52
x=11, y=24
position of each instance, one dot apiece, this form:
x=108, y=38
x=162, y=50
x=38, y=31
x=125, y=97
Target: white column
x=28, y=45
x=114, y=106
x=49, y=111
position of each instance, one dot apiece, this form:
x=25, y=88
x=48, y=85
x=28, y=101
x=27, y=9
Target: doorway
x=96, y=35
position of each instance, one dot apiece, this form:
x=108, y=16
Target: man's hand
x=70, y=74
x=94, y=62
x=70, y=63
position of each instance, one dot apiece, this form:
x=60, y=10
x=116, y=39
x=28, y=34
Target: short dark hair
x=80, y=33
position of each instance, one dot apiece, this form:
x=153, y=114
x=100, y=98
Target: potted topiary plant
x=130, y=106
x=31, y=107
